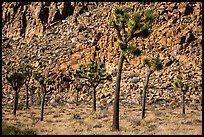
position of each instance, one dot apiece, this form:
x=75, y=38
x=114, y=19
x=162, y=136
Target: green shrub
x=13, y=130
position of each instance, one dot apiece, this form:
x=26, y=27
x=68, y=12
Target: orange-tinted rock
x=176, y=36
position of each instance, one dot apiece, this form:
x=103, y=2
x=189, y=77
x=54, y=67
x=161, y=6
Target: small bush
x=12, y=130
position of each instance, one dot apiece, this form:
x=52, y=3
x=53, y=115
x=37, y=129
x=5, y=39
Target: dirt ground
x=69, y=119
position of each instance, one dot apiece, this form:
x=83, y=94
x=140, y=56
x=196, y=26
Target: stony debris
x=54, y=35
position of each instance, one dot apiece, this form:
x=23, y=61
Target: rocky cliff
x=53, y=35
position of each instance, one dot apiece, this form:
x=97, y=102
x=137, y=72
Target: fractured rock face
x=29, y=18
x=185, y=8
x=39, y=39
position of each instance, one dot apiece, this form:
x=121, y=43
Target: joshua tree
x=16, y=79
x=127, y=27
x=43, y=82
x=93, y=74
x=27, y=69
x=152, y=65
x=183, y=88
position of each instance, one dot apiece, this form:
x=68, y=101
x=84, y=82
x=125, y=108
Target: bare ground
x=69, y=119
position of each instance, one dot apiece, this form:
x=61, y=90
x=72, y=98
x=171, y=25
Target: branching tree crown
x=179, y=84
x=40, y=78
x=92, y=73
x=27, y=70
x=130, y=26
x=154, y=63
x=16, y=78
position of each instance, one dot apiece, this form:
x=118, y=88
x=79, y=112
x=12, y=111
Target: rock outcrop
x=53, y=35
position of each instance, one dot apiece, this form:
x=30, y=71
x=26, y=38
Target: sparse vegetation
x=13, y=130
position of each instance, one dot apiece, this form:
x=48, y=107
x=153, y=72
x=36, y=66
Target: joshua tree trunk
x=94, y=98
x=15, y=105
x=141, y=98
x=31, y=97
x=77, y=98
x=58, y=88
x=68, y=87
x=183, y=102
x=42, y=102
x=117, y=94
x=27, y=96
x=32, y=91
x=144, y=92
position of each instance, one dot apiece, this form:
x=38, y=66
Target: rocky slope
x=51, y=36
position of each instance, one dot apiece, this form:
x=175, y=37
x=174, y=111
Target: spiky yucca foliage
x=128, y=26
x=178, y=84
x=152, y=65
x=17, y=79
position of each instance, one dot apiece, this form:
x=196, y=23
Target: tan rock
x=182, y=7
x=53, y=101
x=183, y=58
x=197, y=9
x=36, y=64
x=54, y=13
x=163, y=40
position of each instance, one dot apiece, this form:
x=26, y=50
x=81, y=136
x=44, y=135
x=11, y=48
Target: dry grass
x=68, y=119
